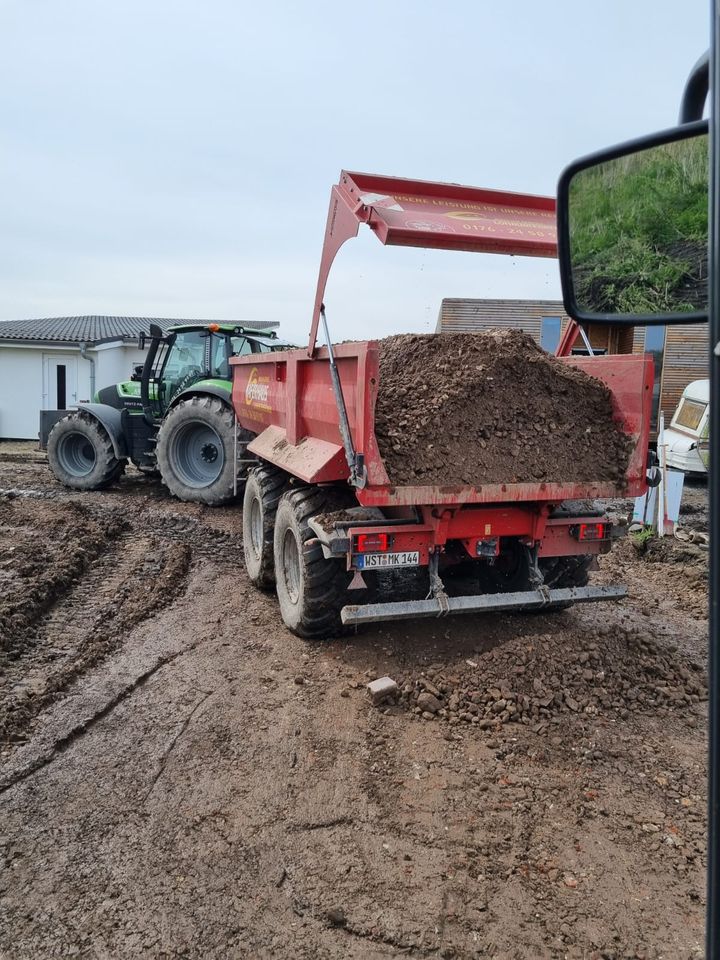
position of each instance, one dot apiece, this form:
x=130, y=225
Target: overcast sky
x=174, y=157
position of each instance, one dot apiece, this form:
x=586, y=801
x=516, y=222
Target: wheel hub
x=76, y=454
x=197, y=454
x=209, y=452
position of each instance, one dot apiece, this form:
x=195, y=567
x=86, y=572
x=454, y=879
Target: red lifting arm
x=568, y=338
x=446, y=216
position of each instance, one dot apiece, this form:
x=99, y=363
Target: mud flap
x=114, y=421
x=489, y=603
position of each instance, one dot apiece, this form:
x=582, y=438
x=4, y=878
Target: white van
x=687, y=435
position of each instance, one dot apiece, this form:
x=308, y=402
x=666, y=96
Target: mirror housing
x=141, y=340
x=632, y=231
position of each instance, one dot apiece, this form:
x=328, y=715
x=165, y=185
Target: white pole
x=661, y=488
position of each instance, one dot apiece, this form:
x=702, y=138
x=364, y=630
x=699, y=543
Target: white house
x=54, y=363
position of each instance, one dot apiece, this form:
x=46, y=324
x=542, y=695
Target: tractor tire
x=81, y=455
x=311, y=590
x=195, y=451
x=263, y=488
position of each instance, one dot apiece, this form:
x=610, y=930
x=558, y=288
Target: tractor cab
x=198, y=357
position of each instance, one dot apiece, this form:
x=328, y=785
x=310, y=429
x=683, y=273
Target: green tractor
x=173, y=418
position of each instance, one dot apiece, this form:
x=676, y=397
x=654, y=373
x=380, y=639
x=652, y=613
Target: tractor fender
x=114, y=422
x=206, y=390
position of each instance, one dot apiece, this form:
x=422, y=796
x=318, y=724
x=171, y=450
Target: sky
x=174, y=158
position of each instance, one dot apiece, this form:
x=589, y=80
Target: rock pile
x=532, y=680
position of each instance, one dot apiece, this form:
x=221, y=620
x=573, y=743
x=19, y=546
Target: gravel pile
x=532, y=681
x=492, y=407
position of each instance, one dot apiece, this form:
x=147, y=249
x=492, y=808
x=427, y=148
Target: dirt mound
x=492, y=407
x=620, y=672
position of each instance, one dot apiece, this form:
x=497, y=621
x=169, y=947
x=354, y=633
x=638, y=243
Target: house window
x=61, y=386
x=550, y=333
x=655, y=344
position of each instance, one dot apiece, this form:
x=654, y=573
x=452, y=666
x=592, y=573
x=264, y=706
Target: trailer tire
x=567, y=571
x=311, y=589
x=81, y=455
x=562, y=572
x=195, y=451
x=263, y=488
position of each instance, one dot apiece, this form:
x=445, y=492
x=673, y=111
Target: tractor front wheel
x=195, y=451
x=81, y=455
x=311, y=589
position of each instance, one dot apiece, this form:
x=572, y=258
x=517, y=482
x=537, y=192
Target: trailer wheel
x=511, y=570
x=567, y=571
x=195, y=451
x=311, y=590
x=81, y=455
x=263, y=489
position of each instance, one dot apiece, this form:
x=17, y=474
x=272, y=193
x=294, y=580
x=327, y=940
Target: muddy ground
x=180, y=777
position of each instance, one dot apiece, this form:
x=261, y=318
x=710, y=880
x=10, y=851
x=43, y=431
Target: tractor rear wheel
x=311, y=589
x=81, y=455
x=195, y=451
x=263, y=488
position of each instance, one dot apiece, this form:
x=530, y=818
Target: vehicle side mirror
x=633, y=231
x=141, y=340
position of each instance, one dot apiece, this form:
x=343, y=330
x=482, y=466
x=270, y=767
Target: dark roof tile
x=95, y=329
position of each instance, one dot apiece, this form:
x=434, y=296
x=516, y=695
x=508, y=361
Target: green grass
x=642, y=537
x=638, y=228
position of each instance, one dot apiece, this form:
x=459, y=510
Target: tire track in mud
x=46, y=550
x=133, y=579
x=78, y=576
x=80, y=729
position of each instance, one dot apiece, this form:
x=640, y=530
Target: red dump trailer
x=321, y=520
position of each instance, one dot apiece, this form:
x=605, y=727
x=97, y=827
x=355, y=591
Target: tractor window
x=183, y=364
x=219, y=366
x=186, y=355
x=240, y=346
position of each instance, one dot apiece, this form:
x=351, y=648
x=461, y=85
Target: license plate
x=366, y=561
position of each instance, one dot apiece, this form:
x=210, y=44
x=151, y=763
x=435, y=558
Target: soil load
x=492, y=407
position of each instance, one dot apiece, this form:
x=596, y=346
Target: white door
x=60, y=372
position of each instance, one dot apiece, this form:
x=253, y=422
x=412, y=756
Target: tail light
x=591, y=531
x=373, y=542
